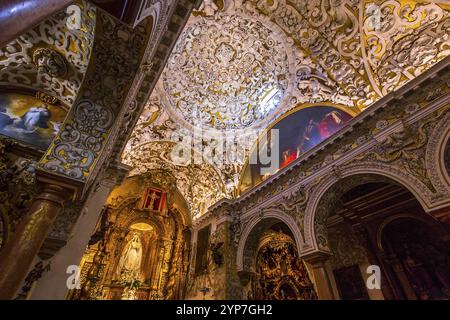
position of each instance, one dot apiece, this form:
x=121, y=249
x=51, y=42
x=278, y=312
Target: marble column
x=401, y=276
x=19, y=252
x=322, y=280
x=53, y=284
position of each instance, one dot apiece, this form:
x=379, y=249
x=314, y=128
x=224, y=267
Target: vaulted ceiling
x=240, y=64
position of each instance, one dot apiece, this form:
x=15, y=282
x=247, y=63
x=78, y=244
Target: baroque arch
x=160, y=232
x=325, y=197
x=389, y=220
x=143, y=217
x=437, y=155
x=257, y=226
x=419, y=244
x=199, y=183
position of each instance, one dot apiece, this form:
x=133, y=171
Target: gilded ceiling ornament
x=50, y=62
x=410, y=38
x=156, y=125
x=82, y=141
x=42, y=57
x=226, y=73
x=209, y=8
x=368, y=48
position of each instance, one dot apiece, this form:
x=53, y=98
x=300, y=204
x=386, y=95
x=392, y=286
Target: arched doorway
x=355, y=223
x=273, y=269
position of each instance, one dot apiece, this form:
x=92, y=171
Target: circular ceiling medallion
x=226, y=73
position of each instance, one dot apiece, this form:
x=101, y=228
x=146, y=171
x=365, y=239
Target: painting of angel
x=29, y=120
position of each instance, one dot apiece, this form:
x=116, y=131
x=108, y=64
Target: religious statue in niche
x=281, y=274
x=155, y=199
x=129, y=267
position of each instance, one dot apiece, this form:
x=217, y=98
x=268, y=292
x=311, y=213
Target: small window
x=201, y=259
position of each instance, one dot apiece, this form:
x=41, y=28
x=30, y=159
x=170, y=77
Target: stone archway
x=326, y=194
x=256, y=226
x=446, y=158
x=361, y=199
x=269, y=255
x=438, y=155
x=159, y=227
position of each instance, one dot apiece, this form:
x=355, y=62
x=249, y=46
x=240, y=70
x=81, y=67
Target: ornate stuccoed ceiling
x=229, y=72
x=240, y=64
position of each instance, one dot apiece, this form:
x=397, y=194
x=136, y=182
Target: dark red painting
x=298, y=133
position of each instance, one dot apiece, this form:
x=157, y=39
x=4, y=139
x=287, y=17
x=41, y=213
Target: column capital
x=321, y=275
x=114, y=175
x=442, y=214
x=55, y=184
x=53, y=193
x=317, y=257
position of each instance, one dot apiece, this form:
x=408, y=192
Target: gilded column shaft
x=20, y=250
x=165, y=267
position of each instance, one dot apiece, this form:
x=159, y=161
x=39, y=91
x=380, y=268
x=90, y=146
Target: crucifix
x=153, y=198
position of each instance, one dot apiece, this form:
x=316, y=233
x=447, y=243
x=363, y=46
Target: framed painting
x=298, y=133
x=350, y=283
x=29, y=119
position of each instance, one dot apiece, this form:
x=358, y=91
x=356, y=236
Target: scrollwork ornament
x=82, y=141
x=79, y=143
x=235, y=231
x=50, y=62
x=50, y=57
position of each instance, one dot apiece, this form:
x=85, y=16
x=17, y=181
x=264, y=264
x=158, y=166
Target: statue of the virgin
x=130, y=262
